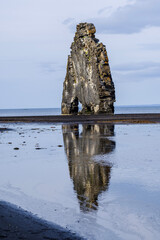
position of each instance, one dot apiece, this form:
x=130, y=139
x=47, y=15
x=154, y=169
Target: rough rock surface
x=88, y=78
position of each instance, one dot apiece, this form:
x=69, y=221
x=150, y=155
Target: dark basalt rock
x=88, y=78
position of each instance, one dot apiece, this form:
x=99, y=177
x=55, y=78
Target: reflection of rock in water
x=90, y=178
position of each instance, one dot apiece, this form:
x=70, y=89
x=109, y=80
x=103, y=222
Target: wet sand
x=42, y=170
x=101, y=118
x=16, y=223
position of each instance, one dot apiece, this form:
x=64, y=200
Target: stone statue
x=88, y=78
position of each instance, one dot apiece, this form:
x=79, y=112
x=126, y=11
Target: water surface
x=101, y=181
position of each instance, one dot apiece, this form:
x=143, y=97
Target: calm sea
x=57, y=111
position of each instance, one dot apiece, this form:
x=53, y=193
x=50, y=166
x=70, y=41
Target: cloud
x=150, y=46
x=130, y=18
x=51, y=67
x=136, y=66
x=105, y=9
x=137, y=71
x=68, y=21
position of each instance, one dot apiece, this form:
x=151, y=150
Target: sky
x=35, y=40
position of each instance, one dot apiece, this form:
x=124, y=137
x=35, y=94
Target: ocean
x=57, y=111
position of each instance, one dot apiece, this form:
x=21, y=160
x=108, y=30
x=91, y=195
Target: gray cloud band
x=126, y=20
x=131, y=18
x=143, y=70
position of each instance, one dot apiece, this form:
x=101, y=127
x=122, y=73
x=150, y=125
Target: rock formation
x=88, y=78
x=90, y=177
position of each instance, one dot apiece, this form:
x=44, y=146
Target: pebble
x=16, y=148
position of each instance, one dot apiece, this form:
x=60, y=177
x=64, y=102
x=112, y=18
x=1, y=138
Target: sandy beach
x=116, y=118
x=15, y=223
x=92, y=179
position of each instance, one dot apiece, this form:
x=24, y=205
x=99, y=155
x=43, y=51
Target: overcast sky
x=35, y=39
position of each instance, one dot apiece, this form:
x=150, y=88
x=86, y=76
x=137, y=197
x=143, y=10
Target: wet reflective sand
x=101, y=181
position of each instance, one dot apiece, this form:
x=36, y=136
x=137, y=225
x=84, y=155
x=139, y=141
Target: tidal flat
x=100, y=181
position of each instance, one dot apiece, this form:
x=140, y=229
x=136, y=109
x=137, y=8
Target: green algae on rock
x=88, y=79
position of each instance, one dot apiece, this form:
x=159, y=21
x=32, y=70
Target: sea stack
x=88, y=79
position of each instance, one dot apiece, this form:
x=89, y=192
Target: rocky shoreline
x=15, y=223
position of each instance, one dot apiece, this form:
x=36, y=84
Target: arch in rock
x=88, y=78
